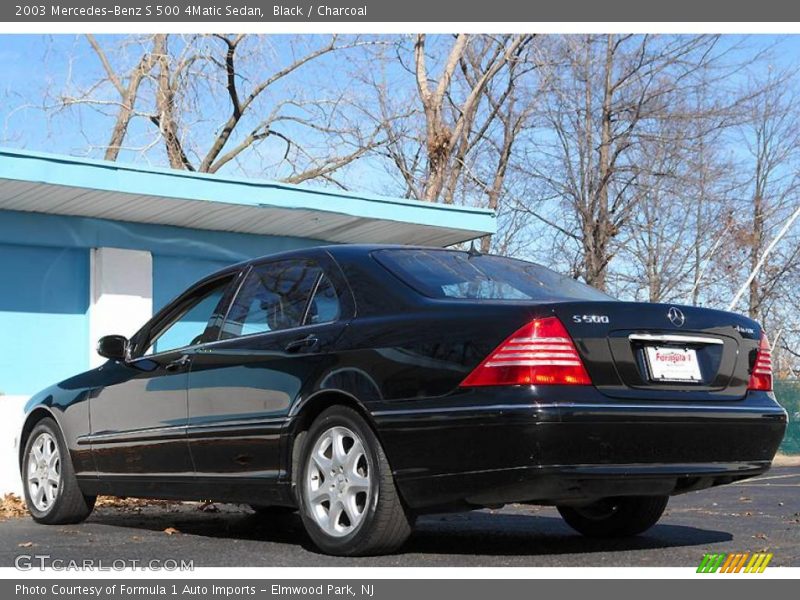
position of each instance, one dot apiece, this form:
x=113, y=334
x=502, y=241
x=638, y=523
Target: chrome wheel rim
x=338, y=481
x=44, y=472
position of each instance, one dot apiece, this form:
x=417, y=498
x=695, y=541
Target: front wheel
x=348, y=500
x=52, y=493
x=615, y=517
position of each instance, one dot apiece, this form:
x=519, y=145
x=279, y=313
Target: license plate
x=673, y=364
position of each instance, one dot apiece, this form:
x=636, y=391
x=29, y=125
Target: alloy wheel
x=337, y=484
x=44, y=471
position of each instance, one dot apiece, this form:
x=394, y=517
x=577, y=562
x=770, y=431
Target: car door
x=282, y=324
x=138, y=420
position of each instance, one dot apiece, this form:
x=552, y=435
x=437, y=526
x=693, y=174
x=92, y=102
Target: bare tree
x=236, y=88
x=772, y=138
x=452, y=109
x=127, y=86
x=509, y=105
x=607, y=95
x=455, y=110
x=683, y=194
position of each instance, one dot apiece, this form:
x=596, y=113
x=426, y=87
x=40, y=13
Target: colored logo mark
x=739, y=562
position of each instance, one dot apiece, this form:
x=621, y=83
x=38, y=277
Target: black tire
x=385, y=524
x=267, y=511
x=70, y=504
x=615, y=517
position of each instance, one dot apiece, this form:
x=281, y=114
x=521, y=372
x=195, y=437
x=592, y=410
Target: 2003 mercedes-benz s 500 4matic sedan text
x=365, y=385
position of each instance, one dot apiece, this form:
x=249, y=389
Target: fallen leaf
x=25, y=545
x=132, y=504
x=12, y=506
x=171, y=531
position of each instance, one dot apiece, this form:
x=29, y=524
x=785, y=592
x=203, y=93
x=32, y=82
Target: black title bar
x=376, y=11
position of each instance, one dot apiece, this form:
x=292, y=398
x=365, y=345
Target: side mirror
x=114, y=347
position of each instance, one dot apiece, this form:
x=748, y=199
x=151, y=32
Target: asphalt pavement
x=761, y=514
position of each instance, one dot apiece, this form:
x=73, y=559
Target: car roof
x=336, y=250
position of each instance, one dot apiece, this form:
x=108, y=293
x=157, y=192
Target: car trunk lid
x=662, y=352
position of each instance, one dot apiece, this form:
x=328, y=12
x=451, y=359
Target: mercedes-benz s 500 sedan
x=365, y=385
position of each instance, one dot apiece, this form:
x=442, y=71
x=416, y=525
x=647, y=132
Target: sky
x=37, y=67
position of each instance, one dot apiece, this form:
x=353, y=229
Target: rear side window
x=324, y=306
x=456, y=274
x=275, y=296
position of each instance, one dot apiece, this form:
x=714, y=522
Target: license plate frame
x=672, y=364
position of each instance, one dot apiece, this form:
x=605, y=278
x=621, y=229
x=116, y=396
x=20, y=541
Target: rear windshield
x=457, y=274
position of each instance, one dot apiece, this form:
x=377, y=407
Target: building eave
x=54, y=184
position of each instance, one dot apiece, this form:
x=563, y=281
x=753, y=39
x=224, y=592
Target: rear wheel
x=348, y=500
x=51, y=489
x=615, y=517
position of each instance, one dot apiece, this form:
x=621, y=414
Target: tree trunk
x=596, y=242
x=125, y=113
x=754, y=304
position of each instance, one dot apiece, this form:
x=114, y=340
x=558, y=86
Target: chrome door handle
x=310, y=341
x=178, y=364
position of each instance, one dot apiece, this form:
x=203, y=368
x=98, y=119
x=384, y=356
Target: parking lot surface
x=761, y=514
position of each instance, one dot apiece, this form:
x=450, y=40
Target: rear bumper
x=569, y=484
x=497, y=446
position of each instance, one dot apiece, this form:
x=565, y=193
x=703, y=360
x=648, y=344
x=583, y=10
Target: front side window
x=188, y=326
x=275, y=296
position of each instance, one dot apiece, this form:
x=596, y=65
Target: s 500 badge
x=590, y=319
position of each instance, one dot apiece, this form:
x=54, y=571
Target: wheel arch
x=309, y=410
x=37, y=414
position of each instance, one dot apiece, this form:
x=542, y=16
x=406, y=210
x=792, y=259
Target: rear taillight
x=761, y=377
x=540, y=353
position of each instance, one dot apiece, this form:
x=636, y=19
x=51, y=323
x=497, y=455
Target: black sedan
x=364, y=385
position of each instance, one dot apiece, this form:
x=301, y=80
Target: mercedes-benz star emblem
x=675, y=315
